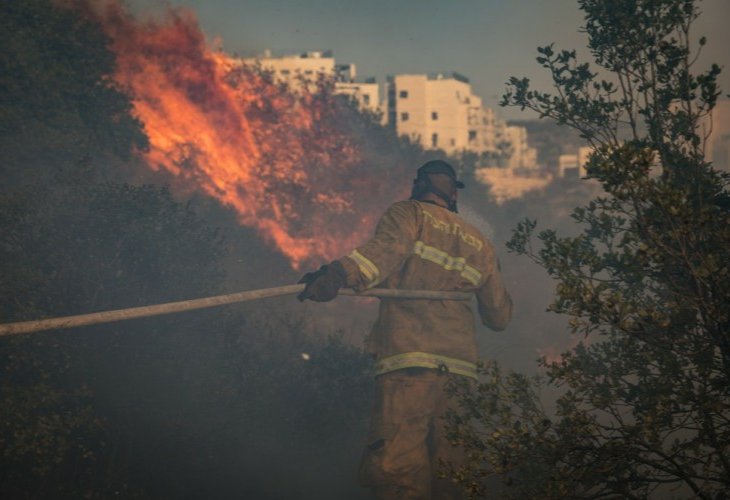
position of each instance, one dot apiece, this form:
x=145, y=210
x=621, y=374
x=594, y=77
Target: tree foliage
x=645, y=402
x=59, y=104
x=71, y=243
x=209, y=404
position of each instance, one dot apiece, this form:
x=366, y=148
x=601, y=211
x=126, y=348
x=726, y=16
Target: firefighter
x=419, y=345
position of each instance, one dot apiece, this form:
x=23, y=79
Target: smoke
x=303, y=171
x=216, y=403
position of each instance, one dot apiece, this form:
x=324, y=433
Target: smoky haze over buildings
x=488, y=41
x=271, y=399
x=482, y=42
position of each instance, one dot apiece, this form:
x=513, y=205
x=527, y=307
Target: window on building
x=308, y=72
x=434, y=140
x=366, y=100
x=404, y=117
x=452, y=142
x=403, y=94
x=434, y=115
x=285, y=71
x=472, y=135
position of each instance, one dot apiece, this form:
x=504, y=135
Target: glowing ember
x=280, y=160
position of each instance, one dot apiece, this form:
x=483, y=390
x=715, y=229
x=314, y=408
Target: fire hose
x=218, y=300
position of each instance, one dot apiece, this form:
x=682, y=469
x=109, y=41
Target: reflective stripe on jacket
x=426, y=360
x=423, y=246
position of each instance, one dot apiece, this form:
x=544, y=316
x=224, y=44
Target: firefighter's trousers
x=407, y=437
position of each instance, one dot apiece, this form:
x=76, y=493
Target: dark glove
x=323, y=284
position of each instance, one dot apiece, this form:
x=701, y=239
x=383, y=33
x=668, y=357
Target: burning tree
x=645, y=398
x=285, y=161
x=89, y=413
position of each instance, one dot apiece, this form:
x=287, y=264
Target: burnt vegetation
x=264, y=401
x=217, y=404
x=254, y=401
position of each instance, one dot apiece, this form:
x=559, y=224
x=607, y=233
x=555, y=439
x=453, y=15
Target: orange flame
x=277, y=158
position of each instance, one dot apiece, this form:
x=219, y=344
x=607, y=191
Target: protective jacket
x=420, y=245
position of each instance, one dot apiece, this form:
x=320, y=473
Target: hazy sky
x=486, y=40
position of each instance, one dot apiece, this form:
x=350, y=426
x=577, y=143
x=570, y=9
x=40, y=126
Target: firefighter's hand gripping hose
x=218, y=300
x=324, y=284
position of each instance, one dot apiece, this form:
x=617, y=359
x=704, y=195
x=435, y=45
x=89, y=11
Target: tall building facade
x=365, y=93
x=297, y=70
x=522, y=157
x=574, y=165
x=440, y=112
x=306, y=68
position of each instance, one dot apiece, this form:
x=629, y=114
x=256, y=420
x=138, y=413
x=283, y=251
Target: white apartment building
x=307, y=67
x=523, y=158
x=440, y=112
x=574, y=165
x=366, y=94
x=492, y=130
x=298, y=69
